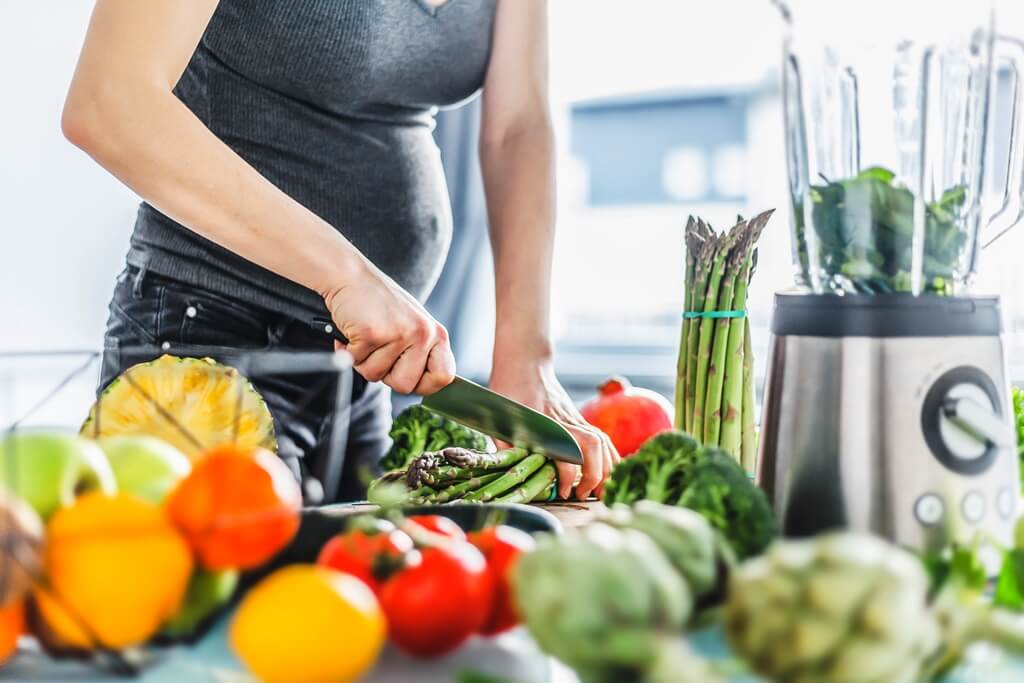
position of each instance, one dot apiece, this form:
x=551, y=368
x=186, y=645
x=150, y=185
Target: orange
x=12, y=625
x=238, y=507
x=308, y=624
x=117, y=570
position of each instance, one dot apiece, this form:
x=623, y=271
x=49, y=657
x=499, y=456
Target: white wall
x=64, y=222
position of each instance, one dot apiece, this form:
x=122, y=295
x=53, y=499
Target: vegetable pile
x=862, y=238
x=673, y=468
x=418, y=430
x=611, y=600
x=436, y=586
x=513, y=475
x=714, y=378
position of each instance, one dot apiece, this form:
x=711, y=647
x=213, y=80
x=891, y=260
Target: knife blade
x=495, y=415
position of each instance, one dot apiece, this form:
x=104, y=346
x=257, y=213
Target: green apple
x=145, y=465
x=48, y=469
x=207, y=592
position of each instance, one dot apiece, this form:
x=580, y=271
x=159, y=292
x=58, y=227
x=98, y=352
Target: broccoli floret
x=658, y=471
x=419, y=430
x=720, y=491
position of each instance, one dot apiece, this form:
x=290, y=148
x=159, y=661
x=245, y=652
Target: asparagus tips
x=515, y=476
x=748, y=447
x=538, y=483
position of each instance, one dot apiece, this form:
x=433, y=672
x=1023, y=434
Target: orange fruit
x=238, y=507
x=117, y=570
x=12, y=625
x=308, y=624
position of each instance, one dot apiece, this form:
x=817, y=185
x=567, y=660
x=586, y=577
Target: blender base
x=890, y=414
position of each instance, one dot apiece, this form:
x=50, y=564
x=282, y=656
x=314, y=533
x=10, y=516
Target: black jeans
x=151, y=315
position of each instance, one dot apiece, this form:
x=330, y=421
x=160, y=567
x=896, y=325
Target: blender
x=887, y=403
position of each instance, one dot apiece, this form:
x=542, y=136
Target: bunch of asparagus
x=454, y=474
x=714, y=379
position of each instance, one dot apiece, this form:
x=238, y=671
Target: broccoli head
x=658, y=471
x=418, y=430
x=721, y=492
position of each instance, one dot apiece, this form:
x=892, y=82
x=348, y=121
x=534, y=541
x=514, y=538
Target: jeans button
x=166, y=346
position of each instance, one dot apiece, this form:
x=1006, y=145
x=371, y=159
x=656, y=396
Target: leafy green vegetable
x=418, y=430
x=721, y=492
x=673, y=468
x=1018, y=414
x=657, y=471
x=1009, y=590
x=863, y=228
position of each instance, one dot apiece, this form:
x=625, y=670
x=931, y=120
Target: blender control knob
x=929, y=509
x=963, y=422
x=973, y=507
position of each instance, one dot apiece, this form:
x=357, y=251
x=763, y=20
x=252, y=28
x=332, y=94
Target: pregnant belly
x=380, y=185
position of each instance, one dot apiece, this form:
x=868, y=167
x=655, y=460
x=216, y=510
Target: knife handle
x=327, y=327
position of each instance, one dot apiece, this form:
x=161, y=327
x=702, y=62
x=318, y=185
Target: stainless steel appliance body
x=889, y=414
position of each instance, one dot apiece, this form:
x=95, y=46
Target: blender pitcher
x=887, y=109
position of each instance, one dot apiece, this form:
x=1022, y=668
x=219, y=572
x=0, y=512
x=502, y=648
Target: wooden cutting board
x=573, y=513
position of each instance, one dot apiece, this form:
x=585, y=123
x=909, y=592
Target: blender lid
x=885, y=315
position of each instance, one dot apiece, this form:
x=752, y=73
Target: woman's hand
x=533, y=383
x=391, y=336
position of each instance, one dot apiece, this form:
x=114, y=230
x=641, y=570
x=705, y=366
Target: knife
x=489, y=412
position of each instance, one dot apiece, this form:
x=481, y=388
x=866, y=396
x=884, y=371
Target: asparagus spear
x=728, y=415
x=707, y=327
x=748, y=446
x=539, y=482
x=515, y=476
x=731, y=282
x=712, y=245
x=690, y=238
x=458, y=490
x=465, y=458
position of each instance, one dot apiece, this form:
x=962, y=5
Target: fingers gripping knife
x=488, y=412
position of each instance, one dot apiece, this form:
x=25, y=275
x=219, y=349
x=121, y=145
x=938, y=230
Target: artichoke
x=696, y=550
x=841, y=608
x=607, y=603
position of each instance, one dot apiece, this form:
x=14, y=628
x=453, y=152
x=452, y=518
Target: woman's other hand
x=391, y=337
x=533, y=383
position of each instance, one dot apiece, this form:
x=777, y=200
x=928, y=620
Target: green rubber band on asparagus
x=689, y=315
x=554, y=493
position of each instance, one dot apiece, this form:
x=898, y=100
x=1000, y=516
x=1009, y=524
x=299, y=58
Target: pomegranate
x=628, y=415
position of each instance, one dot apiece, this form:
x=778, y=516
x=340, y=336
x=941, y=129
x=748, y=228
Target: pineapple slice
x=191, y=403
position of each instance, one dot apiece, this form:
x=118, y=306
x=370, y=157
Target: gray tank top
x=333, y=101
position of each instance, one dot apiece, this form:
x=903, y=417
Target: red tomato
x=436, y=603
x=366, y=551
x=501, y=546
x=440, y=524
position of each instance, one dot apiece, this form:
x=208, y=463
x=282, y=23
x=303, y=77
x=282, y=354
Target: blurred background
x=664, y=108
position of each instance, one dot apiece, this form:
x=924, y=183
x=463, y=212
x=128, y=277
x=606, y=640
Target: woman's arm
x=121, y=110
x=517, y=158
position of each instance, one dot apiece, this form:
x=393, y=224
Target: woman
x=283, y=151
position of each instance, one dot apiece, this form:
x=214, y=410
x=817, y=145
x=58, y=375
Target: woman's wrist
x=519, y=347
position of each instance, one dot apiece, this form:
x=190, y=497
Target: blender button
x=929, y=509
x=973, y=507
x=1006, y=501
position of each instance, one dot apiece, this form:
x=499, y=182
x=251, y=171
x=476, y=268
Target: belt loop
x=138, y=281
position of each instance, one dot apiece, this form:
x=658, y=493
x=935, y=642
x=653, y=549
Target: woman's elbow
x=89, y=118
